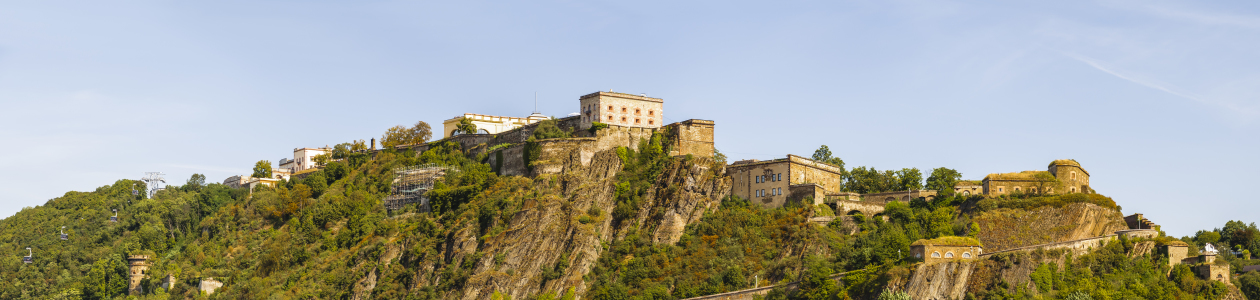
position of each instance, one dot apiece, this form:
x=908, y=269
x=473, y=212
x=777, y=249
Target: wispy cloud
x=1246, y=111
x=1132, y=78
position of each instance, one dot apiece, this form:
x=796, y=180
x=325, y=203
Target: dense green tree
x=1207, y=237
x=403, y=135
x=909, y=179
x=547, y=129
x=466, y=126
x=864, y=180
x=823, y=155
x=1239, y=233
x=817, y=284
x=262, y=169
x=943, y=180
x=195, y=182
x=106, y=279
x=1249, y=283
x=341, y=151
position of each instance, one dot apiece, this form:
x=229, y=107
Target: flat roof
x=622, y=95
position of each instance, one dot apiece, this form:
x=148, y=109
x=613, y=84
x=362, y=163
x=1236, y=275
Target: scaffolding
x=410, y=185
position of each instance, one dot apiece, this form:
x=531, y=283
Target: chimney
x=373, y=143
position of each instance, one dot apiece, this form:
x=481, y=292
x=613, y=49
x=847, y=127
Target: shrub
x=596, y=127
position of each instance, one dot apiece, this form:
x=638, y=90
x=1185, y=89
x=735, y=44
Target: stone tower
x=139, y=265
x=621, y=110
x=1069, y=172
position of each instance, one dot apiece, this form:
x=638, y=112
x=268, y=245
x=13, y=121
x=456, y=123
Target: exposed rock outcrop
x=1003, y=229
x=558, y=224
x=944, y=280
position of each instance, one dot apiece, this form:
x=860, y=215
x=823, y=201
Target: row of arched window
x=950, y=254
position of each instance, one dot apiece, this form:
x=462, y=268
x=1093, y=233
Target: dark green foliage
x=1249, y=283
x=107, y=278
x=466, y=126
x=1043, y=277
x=547, y=129
x=823, y=155
x=262, y=169
x=943, y=180
x=725, y=251
x=639, y=170
x=864, y=180
x=596, y=127
x=909, y=179
x=1106, y=273
x=195, y=182
x=817, y=283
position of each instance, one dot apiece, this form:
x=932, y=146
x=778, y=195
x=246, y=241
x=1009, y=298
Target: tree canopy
x=943, y=180
x=466, y=126
x=262, y=169
x=403, y=135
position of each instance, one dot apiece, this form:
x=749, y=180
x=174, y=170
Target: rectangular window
x=778, y=177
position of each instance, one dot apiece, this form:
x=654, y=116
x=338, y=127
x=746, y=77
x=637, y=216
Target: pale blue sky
x=1159, y=100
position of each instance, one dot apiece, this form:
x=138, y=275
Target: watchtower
x=621, y=110
x=1070, y=174
x=138, y=265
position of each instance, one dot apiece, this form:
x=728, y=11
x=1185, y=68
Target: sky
x=1158, y=100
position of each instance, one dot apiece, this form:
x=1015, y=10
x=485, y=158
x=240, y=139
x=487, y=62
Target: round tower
x=139, y=265
x=1072, y=177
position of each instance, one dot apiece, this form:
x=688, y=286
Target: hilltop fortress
x=607, y=120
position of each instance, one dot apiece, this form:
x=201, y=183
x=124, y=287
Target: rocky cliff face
x=945, y=280
x=559, y=225
x=1003, y=229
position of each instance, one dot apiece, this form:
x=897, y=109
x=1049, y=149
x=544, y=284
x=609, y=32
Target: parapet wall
x=510, y=161
x=1077, y=247
x=691, y=137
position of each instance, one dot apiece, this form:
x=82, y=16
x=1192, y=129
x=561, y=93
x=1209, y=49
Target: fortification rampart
x=1083, y=246
x=694, y=137
x=866, y=208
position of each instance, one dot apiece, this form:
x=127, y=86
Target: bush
x=596, y=127
x=1250, y=284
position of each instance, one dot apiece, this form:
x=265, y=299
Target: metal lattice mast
x=153, y=180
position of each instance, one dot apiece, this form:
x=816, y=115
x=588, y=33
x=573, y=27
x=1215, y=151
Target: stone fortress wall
x=1062, y=176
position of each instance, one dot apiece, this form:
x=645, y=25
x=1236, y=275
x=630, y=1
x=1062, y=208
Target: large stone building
x=487, y=124
x=771, y=182
x=1062, y=176
x=629, y=119
x=621, y=110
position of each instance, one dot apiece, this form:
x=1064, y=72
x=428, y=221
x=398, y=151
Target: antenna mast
x=535, y=101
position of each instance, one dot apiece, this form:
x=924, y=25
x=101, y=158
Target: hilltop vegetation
x=632, y=225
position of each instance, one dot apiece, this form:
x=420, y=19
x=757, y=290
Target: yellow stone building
x=1062, y=176
x=487, y=124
